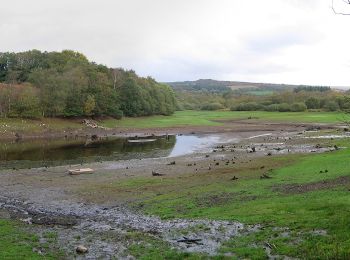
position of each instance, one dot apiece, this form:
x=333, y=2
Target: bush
x=298, y=107
x=331, y=106
x=284, y=107
x=271, y=108
x=212, y=106
x=313, y=103
x=250, y=106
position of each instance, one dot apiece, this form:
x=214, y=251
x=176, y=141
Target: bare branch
x=340, y=13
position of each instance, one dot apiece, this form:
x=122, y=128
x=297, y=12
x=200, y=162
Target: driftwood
x=80, y=171
x=154, y=173
x=271, y=246
x=189, y=240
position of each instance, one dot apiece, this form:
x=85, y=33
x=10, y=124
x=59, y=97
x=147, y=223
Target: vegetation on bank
x=282, y=101
x=66, y=84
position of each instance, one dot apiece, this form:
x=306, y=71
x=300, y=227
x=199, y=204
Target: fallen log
x=189, y=240
x=80, y=171
x=154, y=173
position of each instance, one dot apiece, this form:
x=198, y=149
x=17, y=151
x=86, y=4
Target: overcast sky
x=280, y=41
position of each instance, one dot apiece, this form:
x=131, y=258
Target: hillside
x=67, y=84
x=216, y=86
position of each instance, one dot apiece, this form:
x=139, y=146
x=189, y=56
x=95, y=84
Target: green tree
x=312, y=103
x=89, y=105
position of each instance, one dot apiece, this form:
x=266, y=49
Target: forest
x=204, y=95
x=37, y=84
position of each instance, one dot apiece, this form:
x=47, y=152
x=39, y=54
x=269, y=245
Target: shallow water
x=37, y=153
x=192, y=143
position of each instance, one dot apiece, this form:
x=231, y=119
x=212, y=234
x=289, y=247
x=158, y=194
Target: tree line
x=290, y=100
x=66, y=84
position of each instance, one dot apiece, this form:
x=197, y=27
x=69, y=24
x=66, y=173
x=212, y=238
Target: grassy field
x=17, y=125
x=304, y=208
x=15, y=243
x=9, y=126
x=212, y=118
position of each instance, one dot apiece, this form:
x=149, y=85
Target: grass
x=10, y=126
x=303, y=216
x=215, y=118
x=15, y=243
x=16, y=125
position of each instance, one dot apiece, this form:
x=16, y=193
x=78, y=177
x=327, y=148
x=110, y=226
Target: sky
x=275, y=41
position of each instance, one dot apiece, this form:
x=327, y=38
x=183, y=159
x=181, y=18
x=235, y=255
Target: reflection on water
x=191, y=143
x=36, y=153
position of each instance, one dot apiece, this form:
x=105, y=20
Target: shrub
x=212, y=106
x=284, y=107
x=313, y=103
x=298, y=107
x=250, y=106
x=189, y=106
x=331, y=106
x=271, y=108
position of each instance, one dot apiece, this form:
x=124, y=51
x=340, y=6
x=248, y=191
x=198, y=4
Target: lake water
x=39, y=152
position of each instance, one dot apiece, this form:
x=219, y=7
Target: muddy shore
x=50, y=199
x=238, y=125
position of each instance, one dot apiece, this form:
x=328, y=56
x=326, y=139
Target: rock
x=154, y=173
x=81, y=249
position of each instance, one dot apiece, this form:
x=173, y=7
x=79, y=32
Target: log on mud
x=189, y=240
x=154, y=173
x=80, y=171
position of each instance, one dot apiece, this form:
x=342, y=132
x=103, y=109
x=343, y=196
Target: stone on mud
x=81, y=249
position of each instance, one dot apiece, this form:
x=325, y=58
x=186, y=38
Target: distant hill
x=216, y=86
